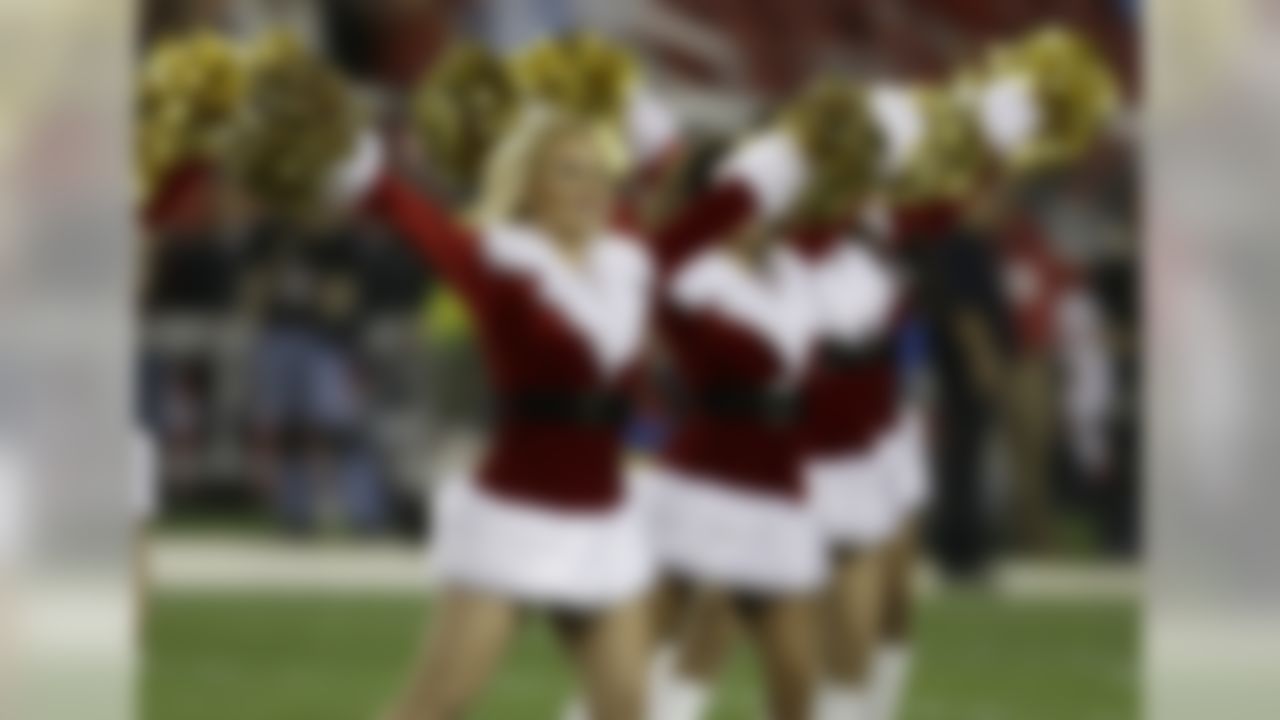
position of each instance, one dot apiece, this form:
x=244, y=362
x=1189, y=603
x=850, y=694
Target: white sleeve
x=652, y=126
x=1007, y=114
x=356, y=174
x=773, y=167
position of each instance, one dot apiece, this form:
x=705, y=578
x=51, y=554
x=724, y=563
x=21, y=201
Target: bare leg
x=1029, y=441
x=669, y=610
x=892, y=664
x=898, y=611
x=611, y=652
x=785, y=631
x=851, y=614
x=469, y=634
x=706, y=638
x=851, y=629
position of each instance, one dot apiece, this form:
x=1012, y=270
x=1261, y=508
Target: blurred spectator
x=1094, y=215
x=972, y=336
x=309, y=412
x=1036, y=282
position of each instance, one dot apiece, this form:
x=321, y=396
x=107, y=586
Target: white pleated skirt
x=716, y=534
x=906, y=454
x=854, y=496
x=540, y=555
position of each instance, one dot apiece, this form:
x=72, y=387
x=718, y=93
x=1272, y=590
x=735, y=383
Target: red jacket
x=542, y=329
x=851, y=391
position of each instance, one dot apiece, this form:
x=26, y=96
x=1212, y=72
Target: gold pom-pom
x=1075, y=89
x=297, y=122
x=582, y=73
x=461, y=109
x=188, y=91
x=951, y=153
x=833, y=123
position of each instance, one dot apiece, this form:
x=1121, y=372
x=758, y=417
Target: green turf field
x=237, y=656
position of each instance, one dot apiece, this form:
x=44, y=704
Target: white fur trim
x=842, y=702
x=905, y=452
x=1008, y=115
x=537, y=554
x=772, y=301
x=682, y=700
x=605, y=298
x=733, y=538
x=853, y=293
x=773, y=166
x=898, y=115
x=672, y=696
x=354, y=177
x=853, y=498
x=652, y=126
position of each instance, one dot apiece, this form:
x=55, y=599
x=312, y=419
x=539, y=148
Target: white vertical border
x=66, y=266
x=1213, y=349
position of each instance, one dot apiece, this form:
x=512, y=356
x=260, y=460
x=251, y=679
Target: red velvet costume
x=547, y=517
x=851, y=392
x=533, y=336
x=728, y=495
x=734, y=330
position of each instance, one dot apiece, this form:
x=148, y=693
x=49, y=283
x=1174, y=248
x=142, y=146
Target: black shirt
x=954, y=275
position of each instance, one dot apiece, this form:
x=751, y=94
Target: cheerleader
x=732, y=513
x=549, y=521
x=729, y=501
x=849, y=396
x=849, y=400
x=561, y=307
x=1040, y=105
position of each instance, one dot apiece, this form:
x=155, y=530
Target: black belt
x=564, y=407
x=848, y=355
x=768, y=405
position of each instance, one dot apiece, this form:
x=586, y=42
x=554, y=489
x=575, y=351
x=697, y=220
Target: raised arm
x=759, y=181
x=450, y=249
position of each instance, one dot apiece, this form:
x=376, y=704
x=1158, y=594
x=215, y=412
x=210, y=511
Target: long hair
x=509, y=171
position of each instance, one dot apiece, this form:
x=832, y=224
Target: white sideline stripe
x=282, y=566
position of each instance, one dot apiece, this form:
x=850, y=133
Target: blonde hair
x=509, y=170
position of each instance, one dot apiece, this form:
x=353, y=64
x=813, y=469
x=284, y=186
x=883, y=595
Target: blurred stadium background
x=287, y=575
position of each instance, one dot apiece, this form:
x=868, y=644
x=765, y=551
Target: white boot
x=671, y=696
x=842, y=702
x=889, y=677
x=576, y=710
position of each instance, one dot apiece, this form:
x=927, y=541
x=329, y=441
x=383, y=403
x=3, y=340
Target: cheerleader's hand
x=297, y=130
